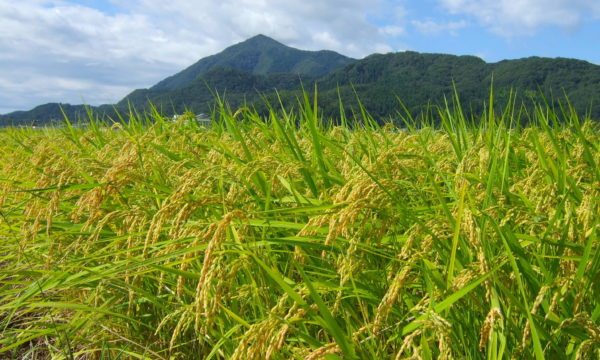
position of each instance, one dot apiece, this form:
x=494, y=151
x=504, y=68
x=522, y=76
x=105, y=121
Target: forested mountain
x=51, y=113
x=260, y=55
x=380, y=81
x=250, y=73
x=235, y=85
x=418, y=79
x=257, y=64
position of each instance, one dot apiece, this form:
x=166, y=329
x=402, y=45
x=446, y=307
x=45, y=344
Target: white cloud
x=524, y=17
x=392, y=30
x=430, y=27
x=383, y=48
x=54, y=50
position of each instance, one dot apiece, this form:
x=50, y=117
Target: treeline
x=384, y=85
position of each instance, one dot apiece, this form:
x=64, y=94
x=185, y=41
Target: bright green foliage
x=283, y=237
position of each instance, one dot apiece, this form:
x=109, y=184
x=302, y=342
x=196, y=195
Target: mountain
x=51, y=113
x=250, y=72
x=235, y=85
x=379, y=80
x=260, y=60
x=260, y=55
x=417, y=79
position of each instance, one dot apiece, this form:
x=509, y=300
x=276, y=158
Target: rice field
x=289, y=237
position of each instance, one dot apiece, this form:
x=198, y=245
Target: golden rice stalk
x=184, y=265
x=154, y=231
x=536, y=304
x=279, y=338
x=487, y=330
x=390, y=297
x=402, y=276
x=258, y=341
x=590, y=347
x=433, y=324
x=327, y=349
x=409, y=342
x=184, y=322
x=118, y=175
x=215, y=235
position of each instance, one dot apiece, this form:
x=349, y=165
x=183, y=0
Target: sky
x=96, y=52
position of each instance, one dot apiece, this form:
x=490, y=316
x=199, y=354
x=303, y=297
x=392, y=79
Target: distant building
x=201, y=119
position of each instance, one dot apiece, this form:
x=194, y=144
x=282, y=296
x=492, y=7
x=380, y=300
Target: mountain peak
x=261, y=38
x=258, y=41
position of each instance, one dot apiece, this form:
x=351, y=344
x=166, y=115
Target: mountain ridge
x=250, y=71
x=257, y=56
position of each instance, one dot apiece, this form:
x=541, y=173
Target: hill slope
x=380, y=80
x=416, y=79
x=49, y=113
x=252, y=70
x=260, y=55
x=235, y=85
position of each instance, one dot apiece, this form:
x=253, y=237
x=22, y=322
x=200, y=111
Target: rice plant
x=288, y=237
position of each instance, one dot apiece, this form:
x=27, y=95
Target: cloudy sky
x=94, y=52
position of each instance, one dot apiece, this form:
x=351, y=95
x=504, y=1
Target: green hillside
x=50, y=113
x=250, y=72
x=416, y=79
x=380, y=81
x=260, y=55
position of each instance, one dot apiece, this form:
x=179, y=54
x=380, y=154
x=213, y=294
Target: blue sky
x=499, y=29
x=94, y=52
